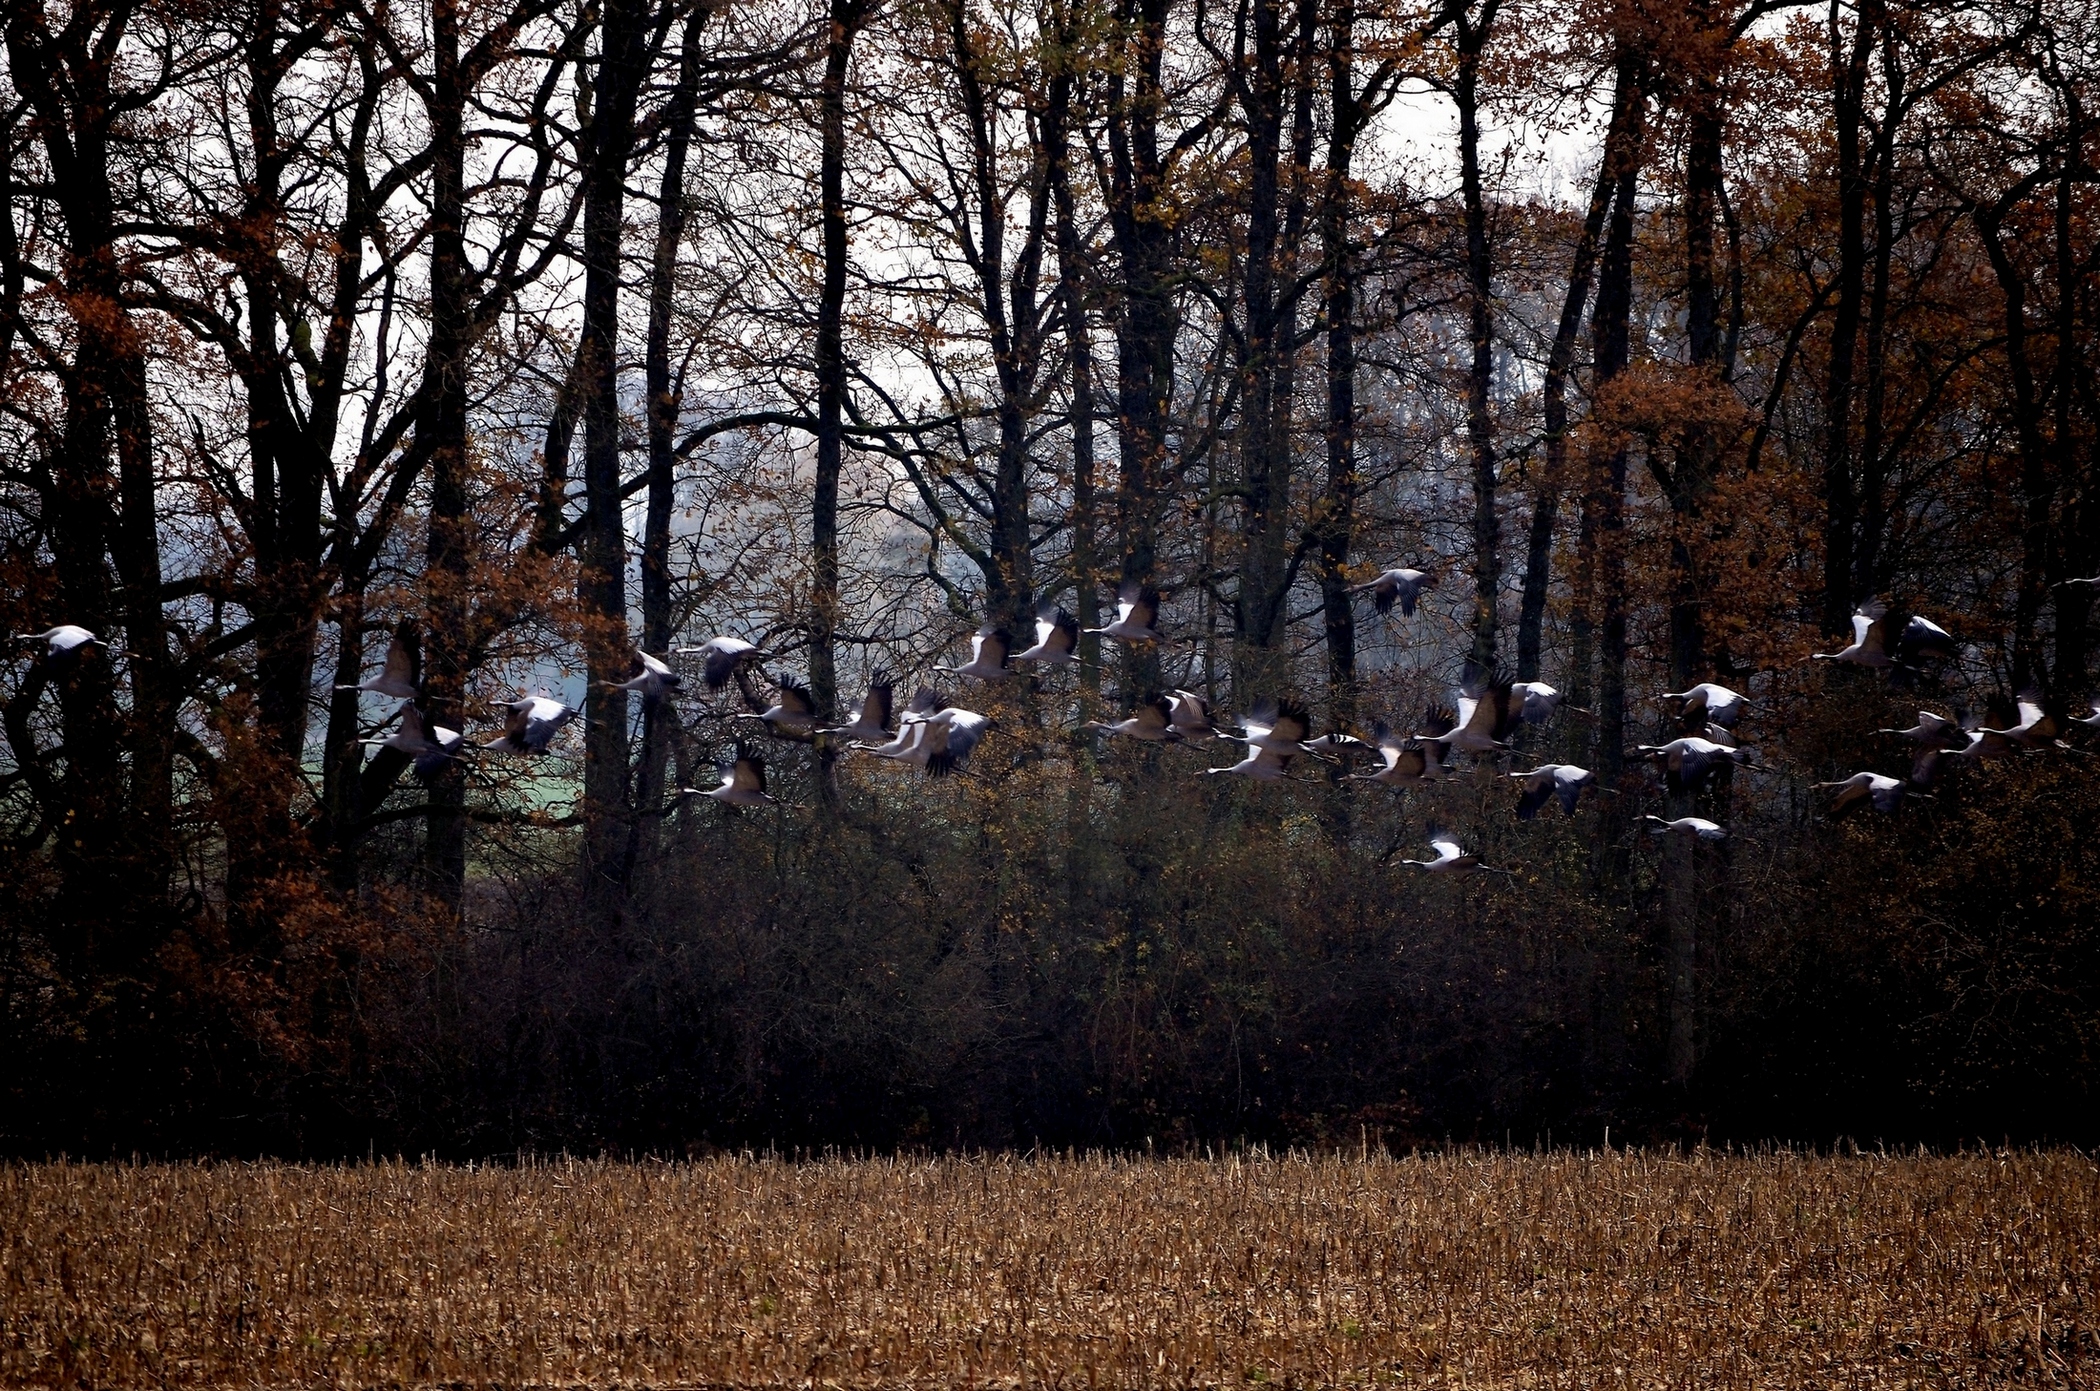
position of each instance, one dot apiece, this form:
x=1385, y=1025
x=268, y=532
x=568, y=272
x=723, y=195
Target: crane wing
x=875, y=710
x=1271, y=763
x=404, y=658
x=1538, y=788
x=1293, y=722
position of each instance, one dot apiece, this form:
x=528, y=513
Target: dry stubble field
x=1602, y=1270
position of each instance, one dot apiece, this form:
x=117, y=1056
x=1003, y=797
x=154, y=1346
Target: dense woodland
x=1662, y=333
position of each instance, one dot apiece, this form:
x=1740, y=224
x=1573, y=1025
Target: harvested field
x=1616, y=1270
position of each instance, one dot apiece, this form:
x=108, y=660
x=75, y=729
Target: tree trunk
x=846, y=18
x=1680, y=873
x=342, y=757
x=659, y=716
x=1840, y=500
x=1141, y=226
x=2076, y=552
x=2037, y=490
x=118, y=818
x=1605, y=502
x=1560, y=360
x=1868, y=576
x=284, y=518
x=1013, y=320
x=601, y=578
x=1687, y=484
x=1264, y=467
x=1079, y=347
x=1480, y=378
x=1691, y=474
x=1336, y=517
x=441, y=436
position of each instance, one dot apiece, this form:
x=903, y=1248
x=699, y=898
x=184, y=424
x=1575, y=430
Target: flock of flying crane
x=936, y=735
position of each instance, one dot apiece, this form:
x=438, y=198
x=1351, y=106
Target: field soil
x=1579, y=1270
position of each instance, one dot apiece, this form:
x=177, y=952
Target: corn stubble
x=1615, y=1270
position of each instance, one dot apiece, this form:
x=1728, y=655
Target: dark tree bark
x=1269, y=304
x=1689, y=478
x=1335, y=520
x=1480, y=429
x=847, y=16
x=118, y=813
x=601, y=580
x=1073, y=268
x=1142, y=230
x=1013, y=315
x=289, y=459
x=2037, y=483
x=1686, y=484
x=1868, y=574
x=1848, y=66
x=1619, y=172
x=1604, y=504
x=441, y=438
x=2074, y=391
x=659, y=716
x=1560, y=361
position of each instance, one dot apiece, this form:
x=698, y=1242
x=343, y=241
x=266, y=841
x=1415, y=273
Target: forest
x=1422, y=392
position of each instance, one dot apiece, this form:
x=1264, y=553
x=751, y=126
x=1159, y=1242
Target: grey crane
x=1708, y=703
x=1488, y=713
x=1688, y=763
x=401, y=675
x=1404, y=761
x=911, y=728
x=988, y=653
x=415, y=737
x=1538, y=701
x=1056, y=638
x=873, y=721
x=533, y=723
x=721, y=657
x=791, y=716
x=949, y=735
x=1869, y=645
x=647, y=676
x=1922, y=638
x=1549, y=781
x=1933, y=731
x=1976, y=746
x=1688, y=825
x=743, y=782
x=1261, y=764
x=1191, y=717
x=447, y=748
x=1884, y=793
x=1137, y=614
x=1151, y=720
x=1402, y=586
x=1451, y=858
x=1280, y=726
x=1336, y=742
x=68, y=642
x=2034, y=728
